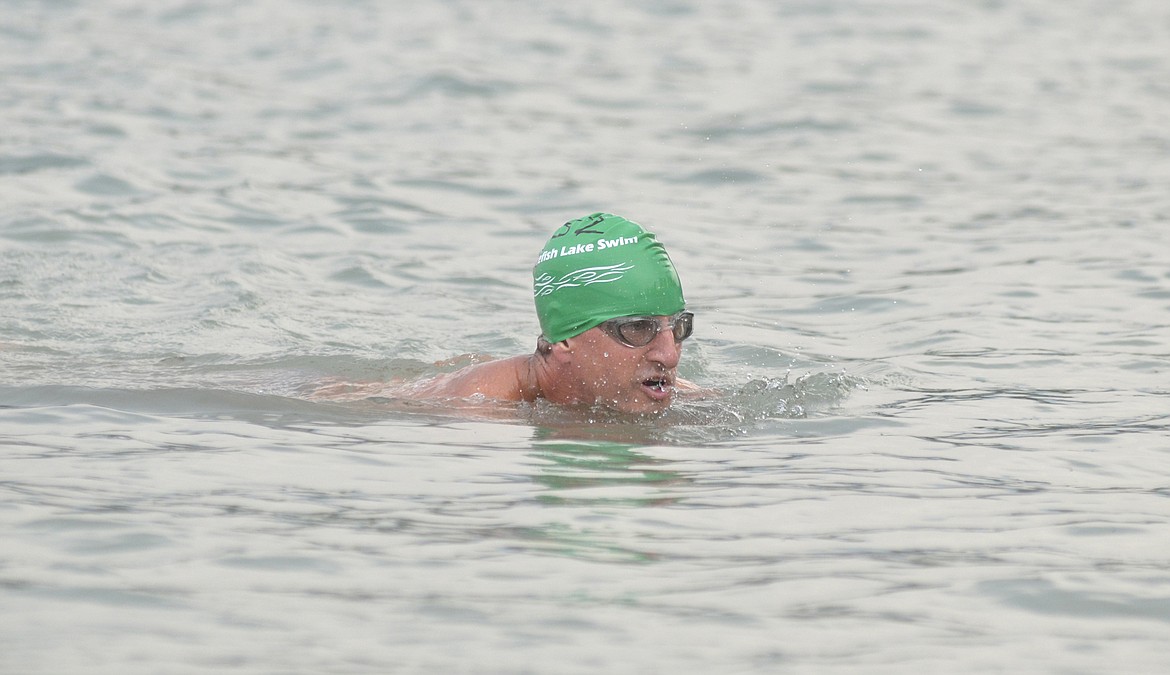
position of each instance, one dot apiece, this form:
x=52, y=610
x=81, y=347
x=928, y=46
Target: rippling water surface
x=927, y=243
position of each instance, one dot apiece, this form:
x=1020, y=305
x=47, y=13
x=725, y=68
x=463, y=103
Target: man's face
x=628, y=379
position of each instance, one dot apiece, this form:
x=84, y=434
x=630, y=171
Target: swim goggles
x=639, y=331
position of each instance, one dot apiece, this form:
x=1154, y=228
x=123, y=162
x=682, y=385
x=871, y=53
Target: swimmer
x=613, y=322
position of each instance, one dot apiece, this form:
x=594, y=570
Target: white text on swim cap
x=600, y=245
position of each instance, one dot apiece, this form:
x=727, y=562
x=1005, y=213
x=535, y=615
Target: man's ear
x=561, y=352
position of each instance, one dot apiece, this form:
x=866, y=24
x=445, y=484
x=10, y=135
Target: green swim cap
x=598, y=268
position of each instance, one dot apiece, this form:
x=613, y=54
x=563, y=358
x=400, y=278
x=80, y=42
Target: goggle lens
x=641, y=331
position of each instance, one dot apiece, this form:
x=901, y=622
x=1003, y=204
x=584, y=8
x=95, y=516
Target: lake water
x=927, y=243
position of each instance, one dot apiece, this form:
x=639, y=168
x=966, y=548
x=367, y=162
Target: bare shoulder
x=500, y=379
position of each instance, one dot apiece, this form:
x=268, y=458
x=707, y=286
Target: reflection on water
x=586, y=477
x=580, y=472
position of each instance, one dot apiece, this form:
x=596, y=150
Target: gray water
x=927, y=245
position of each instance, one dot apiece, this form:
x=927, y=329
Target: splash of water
x=770, y=398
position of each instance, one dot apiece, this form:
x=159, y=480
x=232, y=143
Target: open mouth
x=658, y=386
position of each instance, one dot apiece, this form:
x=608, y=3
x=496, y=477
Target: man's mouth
x=659, y=387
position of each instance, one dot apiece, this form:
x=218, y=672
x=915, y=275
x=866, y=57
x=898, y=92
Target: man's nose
x=664, y=349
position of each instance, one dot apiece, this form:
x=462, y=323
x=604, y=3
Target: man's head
x=611, y=310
